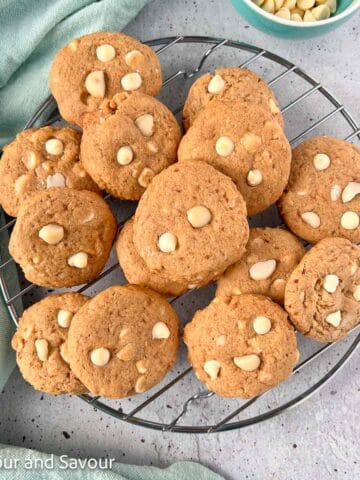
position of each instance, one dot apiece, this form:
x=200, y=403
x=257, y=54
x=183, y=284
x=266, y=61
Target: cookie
x=271, y=255
x=190, y=224
x=229, y=84
x=241, y=346
x=136, y=271
x=243, y=141
x=62, y=237
x=322, y=295
x=135, y=137
x=41, y=344
x=96, y=67
x=41, y=158
x=321, y=199
x=123, y=341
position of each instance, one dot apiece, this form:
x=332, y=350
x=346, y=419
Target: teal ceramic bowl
x=286, y=28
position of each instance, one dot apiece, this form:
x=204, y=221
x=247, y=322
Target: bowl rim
x=290, y=23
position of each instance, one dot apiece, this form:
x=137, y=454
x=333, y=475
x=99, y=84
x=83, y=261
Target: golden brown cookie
x=41, y=158
x=322, y=295
x=241, y=346
x=136, y=271
x=271, y=255
x=62, y=237
x=41, y=344
x=243, y=141
x=190, y=224
x=134, y=138
x=322, y=198
x=229, y=84
x=96, y=67
x=123, y=341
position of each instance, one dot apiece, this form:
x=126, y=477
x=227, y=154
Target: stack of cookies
x=190, y=228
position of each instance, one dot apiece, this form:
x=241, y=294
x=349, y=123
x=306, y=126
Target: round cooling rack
x=179, y=404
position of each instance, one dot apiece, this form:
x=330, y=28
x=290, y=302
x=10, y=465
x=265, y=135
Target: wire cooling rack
x=309, y=108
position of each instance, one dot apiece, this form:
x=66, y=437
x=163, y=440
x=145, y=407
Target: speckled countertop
x=318, y=439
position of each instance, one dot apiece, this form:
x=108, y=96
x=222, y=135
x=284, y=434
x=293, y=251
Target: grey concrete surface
x=318, y=439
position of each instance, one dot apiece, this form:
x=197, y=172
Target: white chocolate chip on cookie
x=335, y=192
x=262, y=325
x=312, y=219
x=133, y=58
x=78, y=260
x=95, y=84
x=331, y=282
x=20, y=183
x=254, y=178
x=140, y=385
x=64, y=318
x=100, y=357
x=212, y=368
x=30, y=160
x=160, y=331
x=54, y=146
x=334, y=318
x=321, y=161
x=56, y=180
x=125, y=155
x=167, y=242
x=51, y=233
x=131, y=81
x=350, y=191
x=127, y=353
x=42, y=349
x=248, y=363
x=145, y=177
x=105, y=52
x=250, y=142
x=224, y=146
x=350, y=220
x=262, y=270
x=64, y=352
x=145, y=123
x=199, y=216
x=216, y=84
x=220, y=340
x=140, y=366
x=273, y=107
x=356, y=293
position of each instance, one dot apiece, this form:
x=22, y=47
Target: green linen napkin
x=31, y=33
x=51, y=467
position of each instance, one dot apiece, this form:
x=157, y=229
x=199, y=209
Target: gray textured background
x=318, y=439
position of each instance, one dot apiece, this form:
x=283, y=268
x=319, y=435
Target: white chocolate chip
x=216, y=84
x=167, y=242
x=145, y=123
x=334, y=318
x=56, y=180
x=283, y=13
x=254, y=178
x=73, y=45
x=20, y=183
x=160, y=330
x=152, y=147
x=127, y=353
x=140, y=366
x=131, y=81
x=350, y=191
x=305, y=4
x=95, y=84
x=54, y=146
x=28, y=330
x=221, y=340
x=125, y=155
x=296, y=17
x=290, y=4
x=224, y=146
x=321, y=12
x=123, y=332
x=78, y=260
x=278, y=4
x=273, y=107
x=132, y=58
x=309, y=17
x=145, y=177
x=64, y=318
x=331, y=282
x=42, y=349
x=262, y=325
x=332, y=4
x=51, y=233
x=321, y=161
x=199, y=216
x=349, y=220
x=64, y=352
x=356, y=293
x=335, y=192
x=30, y=160
x=140, y=385
x=100, y=356
x=268, y=6
x=262, y=270
x=312, y=219
x=250, y=142
x=353, y=268
x=105, y=52
x=212, y=368
x=248, y=363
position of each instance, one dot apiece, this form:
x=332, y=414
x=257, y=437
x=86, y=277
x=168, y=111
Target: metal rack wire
x=208, y=48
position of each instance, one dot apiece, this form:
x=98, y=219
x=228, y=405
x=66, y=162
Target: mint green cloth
x=32, y=31
x=177, y=471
